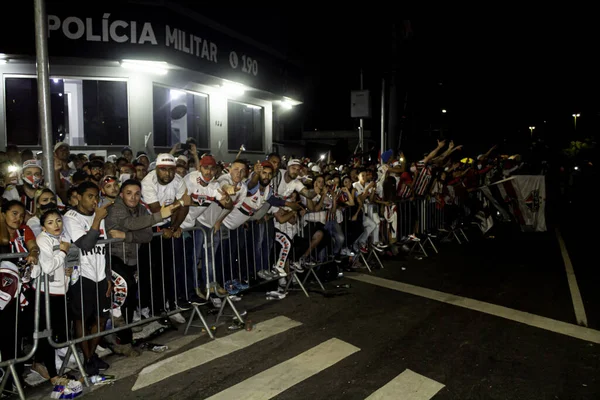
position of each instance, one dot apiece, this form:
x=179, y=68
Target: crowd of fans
x=302, y=212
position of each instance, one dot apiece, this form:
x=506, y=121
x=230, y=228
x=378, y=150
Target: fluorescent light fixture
x=233, y=88
x=175, y=94
x=252, y=106
x=152, y=67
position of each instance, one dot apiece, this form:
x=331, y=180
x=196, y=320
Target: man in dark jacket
x=129, y=220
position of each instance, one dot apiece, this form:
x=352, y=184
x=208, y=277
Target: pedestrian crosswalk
x=287, y=374
x=408, y=386
x=279, y=378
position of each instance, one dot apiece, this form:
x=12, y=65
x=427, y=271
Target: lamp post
x=531, y=128
x=575, y=120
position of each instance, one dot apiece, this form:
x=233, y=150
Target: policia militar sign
x=154, y=33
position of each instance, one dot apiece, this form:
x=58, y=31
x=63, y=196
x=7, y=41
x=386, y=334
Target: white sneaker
x=177, y=318
x=279, y=270
x=297, y=266
x=413, y=238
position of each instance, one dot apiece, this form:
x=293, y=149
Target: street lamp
x=531, y=128
x=575, y=120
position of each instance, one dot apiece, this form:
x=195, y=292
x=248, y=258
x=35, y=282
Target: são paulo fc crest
x=533, y=200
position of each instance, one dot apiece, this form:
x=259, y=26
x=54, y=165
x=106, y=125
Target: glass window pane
x=180, y=115
x=88, y=111
x=244, y=126
x=105, y=113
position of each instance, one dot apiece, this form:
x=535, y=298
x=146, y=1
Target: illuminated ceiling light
x=152, y=67
x=175, y=94
x=233, y=88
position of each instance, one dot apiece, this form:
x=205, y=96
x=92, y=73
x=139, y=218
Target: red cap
x=208, y=161
x=266, y=164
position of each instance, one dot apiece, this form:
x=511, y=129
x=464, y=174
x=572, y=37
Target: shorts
x=94, y=299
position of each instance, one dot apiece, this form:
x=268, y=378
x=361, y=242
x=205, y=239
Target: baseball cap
x=108, y=179
x=266, y=164
x=165, y=160
x=59, y=145
x=182, y=159
x=294, y=161
x=32, y=163
x=208, y=161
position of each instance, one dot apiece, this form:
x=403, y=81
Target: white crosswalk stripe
x=281, y=377
x=211, y=351
x=408, y=386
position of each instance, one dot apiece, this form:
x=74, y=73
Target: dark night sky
x=498, y=75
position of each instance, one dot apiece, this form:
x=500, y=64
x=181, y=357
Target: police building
x=122, y=71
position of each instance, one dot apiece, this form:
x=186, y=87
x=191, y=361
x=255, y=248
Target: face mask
x=33, y=181
x=413, y=169
x=46, y=207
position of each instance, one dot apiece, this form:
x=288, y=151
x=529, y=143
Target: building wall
x=140, y=98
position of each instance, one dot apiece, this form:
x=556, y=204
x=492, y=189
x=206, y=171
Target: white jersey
x=215, y=211
x=245, y=209
x=285, y=189
x=92, y=263
x=318, y=216
x=291, y=230
x=202, y=196
x=154, y=192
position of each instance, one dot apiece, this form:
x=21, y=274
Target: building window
x=179, y=115
x=105, y=116
x=82, y=112
x=245, y=126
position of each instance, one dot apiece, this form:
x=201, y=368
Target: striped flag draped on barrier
x=523, y=197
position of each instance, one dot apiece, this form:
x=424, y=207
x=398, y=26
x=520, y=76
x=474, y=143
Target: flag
x=524, y=197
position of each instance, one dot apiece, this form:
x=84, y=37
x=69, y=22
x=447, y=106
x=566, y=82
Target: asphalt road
x=381, y=333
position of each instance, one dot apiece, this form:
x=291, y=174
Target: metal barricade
x=156, y=282
x=14, y=346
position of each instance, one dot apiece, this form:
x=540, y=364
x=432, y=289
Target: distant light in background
x=576, y=168
x=322, y=157
x=60, y=94
x=55, y=80
x=152, y=67
x=444, y=111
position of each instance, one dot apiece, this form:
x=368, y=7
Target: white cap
x=294, y=161
x=32, y=163
x=59, y=145
x=315, y=168
x=182, y=158
x=165, y=160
